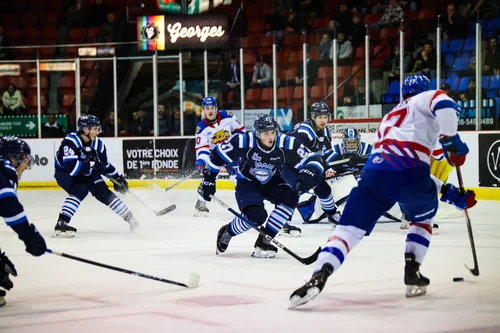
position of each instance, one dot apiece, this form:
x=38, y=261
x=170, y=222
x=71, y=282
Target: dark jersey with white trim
x=259, y=163
x=10, y=208
x=317, y=141
x=339, y=150
x=74, y=156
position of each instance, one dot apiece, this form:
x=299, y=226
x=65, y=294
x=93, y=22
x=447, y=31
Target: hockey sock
x=119, y=208
x=343, y=240
x=238, y=226
x=418, y=239
x=280, y=215
x=328, y=204
x=70, y=207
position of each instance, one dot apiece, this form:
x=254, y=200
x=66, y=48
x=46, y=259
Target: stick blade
x=474, y=271
x=311, y=259
x=194, y=280
x=166, y=210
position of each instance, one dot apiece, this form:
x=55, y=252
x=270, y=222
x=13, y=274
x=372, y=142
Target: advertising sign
x=489, y=160
x=285, y=118
x=467, y=120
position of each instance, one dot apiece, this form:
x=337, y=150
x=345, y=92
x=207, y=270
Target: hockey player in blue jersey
x=315, y=135
x=398, y=171
x=264, y=152
x=80, y=163
x=15, y=158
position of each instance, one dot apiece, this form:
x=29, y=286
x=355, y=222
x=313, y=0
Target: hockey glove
x=305, y=180
x=454, y=149
x=200, y=165
x=99, y=166
x=207, y=188
x=121, y=185
x=6, y=268
x=35, y=244
x=453, y=196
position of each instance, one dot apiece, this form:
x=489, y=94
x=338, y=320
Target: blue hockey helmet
x=319, y=109
x=209, y=101
x=87, y=121
x=264, y=123
x=13, y=148
x=415, y=84
x=351, y=139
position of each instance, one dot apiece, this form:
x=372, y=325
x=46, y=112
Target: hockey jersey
x=317, y=141
x=10, y=208
x=340, y=150
x=408, y=135
x=75, y=157
x=209, y=135
x=259, y=163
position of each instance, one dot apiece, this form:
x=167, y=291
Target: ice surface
x=238, y=293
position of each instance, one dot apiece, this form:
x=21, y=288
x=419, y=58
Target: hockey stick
x=345, y=160
x=306, y=261
x=181, y=180
x=157, y=213
x=475, y=270
x=194, y=278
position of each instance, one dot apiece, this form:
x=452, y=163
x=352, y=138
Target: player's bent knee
x=287, y=197
x=256, y=214
x=105, y=196
x=351, y=235
x=323, y=190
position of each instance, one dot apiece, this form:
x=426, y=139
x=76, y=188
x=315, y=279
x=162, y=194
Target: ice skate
x=264, y=249
x=334, y=218
x=311, y=289
x=133, y=223
x=435, y=229
x=416, y=283
x=201, y=209
x=290, y=231
x=2, y=298
x=63, y=230
x=223, y=239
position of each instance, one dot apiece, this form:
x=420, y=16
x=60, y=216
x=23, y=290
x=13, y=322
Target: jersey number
x=302, y=152
x=393, y=119
x=68, y=151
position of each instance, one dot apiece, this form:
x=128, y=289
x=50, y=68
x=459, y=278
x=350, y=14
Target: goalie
x=347, y=160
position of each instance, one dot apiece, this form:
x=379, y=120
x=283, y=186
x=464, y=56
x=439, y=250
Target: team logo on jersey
x=220, y=136
x=493, y=157
x=197, y=129
x=263, y=172
x=377, y=160
x=256, y=157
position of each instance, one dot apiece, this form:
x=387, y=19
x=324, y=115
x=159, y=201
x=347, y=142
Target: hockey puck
x=458, y=279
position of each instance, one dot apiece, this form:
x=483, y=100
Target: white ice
x=238, y=293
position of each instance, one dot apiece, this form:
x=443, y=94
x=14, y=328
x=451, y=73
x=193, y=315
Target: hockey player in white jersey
x=217, y=127
x=398, y=171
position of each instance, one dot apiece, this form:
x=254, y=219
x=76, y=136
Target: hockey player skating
x=80, y=163
x=15, y=158
x=398, y=171
x=315, y=135
x=217, y=127
x=264, y=152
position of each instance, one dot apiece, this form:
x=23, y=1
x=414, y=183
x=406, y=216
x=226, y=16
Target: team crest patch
x=220, y=137
x=197, y=129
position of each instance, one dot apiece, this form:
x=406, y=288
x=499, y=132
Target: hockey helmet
x=13, y=148
x=319, y=109
x=209, y=101
x=264, y=123
x=351, y=139
x=88, y=121
x=415, y=84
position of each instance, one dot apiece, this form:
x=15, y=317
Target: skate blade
x=63, y=234
x=415, y=291
x=200, y=214
x=297, y=300
x=264, y=254
x=290, y=234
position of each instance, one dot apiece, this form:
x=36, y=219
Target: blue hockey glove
x=454, y=149
x=122, y=187
x=207, y=188
x=200, y=165
x=305, y=180
x=35, y=244
x=6, y=268
x=453, y=196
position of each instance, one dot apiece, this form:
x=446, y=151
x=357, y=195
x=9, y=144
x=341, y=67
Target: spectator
x=394, y=62
x=454, y=26
x=175, y=127
x=76, y=14
x=262, y=74
x=162, y=121
x=97, y=13
x=393, y=15
x=356, y=30
x=294, y=23
x=52, y=129
x=109, y=30
x=232, y=81
x=470, y=93
x=312, y=71
x=344, y=51
x=408, y=5
x=4, y=53
x=275, y=25
x=190, y=120
x=447, y=89
x=426, y=61
x=325, y=47
x=142, y=126
x=344, y=16
x=332, y=28
x=108, y=125
x=359, y=97
x=494, y=55
x=309, y=7
x=13, y=103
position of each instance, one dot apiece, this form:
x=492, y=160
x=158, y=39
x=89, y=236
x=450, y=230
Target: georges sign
x=196, y=32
